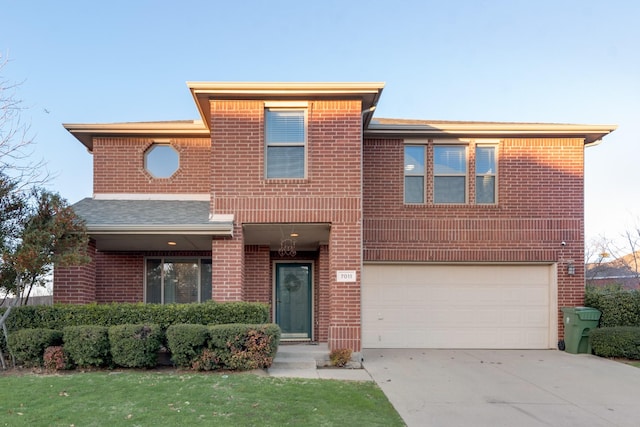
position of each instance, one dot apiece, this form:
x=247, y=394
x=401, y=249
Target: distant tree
x=604, y=256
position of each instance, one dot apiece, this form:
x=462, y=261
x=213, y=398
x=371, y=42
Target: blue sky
x=560, y=61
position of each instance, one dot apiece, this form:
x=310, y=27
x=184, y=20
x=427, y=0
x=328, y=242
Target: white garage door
x=459, y=306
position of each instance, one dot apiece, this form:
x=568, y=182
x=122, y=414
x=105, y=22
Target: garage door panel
x=444, y=306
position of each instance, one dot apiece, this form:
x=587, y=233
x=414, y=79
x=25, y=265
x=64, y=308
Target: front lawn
x=175, y=398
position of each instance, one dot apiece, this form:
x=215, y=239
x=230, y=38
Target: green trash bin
x=578, y=323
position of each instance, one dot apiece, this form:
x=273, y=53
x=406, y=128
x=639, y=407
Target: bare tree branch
x=16, y=142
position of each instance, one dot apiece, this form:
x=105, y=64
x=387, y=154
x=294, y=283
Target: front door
x=293, y=300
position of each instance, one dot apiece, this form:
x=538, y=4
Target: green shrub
x=28, y=345
x=244, y=346
x=186, y=342
x=87, y=345
x=56, y=359
x=619, y=307
x=59, y=316
x=135, y=346
x=340, y=357
x=620, y=341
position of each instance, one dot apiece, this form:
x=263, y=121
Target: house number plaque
x=346, y=276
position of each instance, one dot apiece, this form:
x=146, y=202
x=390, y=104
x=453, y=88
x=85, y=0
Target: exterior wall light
x=571, y=269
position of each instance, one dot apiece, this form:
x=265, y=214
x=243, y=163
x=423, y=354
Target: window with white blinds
x=449, y=174
x=485, y=174
x=285, y=138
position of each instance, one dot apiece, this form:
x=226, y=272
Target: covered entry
x=459, y=306
x=293, y=299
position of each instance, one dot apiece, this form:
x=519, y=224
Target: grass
x=170, y=399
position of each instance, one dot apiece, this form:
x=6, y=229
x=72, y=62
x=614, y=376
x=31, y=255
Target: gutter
x=218, y=229
x=592, y=134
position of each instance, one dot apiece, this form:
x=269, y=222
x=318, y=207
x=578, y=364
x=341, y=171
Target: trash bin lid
x=587, y=313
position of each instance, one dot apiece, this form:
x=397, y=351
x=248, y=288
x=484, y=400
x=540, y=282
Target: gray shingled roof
x=142, y=212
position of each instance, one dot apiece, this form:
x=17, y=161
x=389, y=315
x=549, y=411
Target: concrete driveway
x=506, y=387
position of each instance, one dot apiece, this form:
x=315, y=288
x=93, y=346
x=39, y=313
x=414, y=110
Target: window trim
x=163, y=260
x=495, y=146
x=159, y=143
x=423, y=145
x=287, y=106
x=435, y=175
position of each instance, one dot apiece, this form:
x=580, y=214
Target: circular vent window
x=161, y=160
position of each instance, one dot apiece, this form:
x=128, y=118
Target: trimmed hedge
x=619, y=307
x=245, y=347
x=87, y=345
x=28, y=345
x=135, y=346
x=232, y=346
x=620, y=341
x=186, y=342
x=59, y=316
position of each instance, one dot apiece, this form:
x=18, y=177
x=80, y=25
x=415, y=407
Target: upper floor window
x=286, y=140
x=485, y=174
x=414, y=172
x=161, y=160
x=177, y=280
x=449, y=174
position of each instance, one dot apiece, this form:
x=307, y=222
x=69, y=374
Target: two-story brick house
x=359, y=232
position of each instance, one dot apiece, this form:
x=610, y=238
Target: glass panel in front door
x=293, y=300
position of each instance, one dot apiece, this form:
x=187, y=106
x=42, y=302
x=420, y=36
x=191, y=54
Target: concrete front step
x=298, y=360
x=302, y=361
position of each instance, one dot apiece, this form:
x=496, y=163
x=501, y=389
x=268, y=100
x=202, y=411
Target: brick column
x=76, y=284
x=344, y=302
x=323, y=296
x=228, y=267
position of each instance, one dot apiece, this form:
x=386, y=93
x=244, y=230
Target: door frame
x=311, y=290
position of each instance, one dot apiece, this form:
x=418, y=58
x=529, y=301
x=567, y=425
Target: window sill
x=449, y=206
x=280, y=181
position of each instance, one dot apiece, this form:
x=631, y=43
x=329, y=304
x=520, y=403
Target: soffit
x=401, y=128
x=307, y=236
x=86, y=132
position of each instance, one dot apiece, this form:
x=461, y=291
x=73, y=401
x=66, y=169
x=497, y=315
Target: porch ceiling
x=152, y=242
x=310, y=236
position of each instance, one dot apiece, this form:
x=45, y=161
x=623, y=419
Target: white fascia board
x=198, y=197
x=218, y=229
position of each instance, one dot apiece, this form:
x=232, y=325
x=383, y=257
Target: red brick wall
x=119, y=277
x=118, y=166
x=344, y=300
x=228, y=272
x=76, y=285
x=540, y=204
x=257, y=279
x=331, y=192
